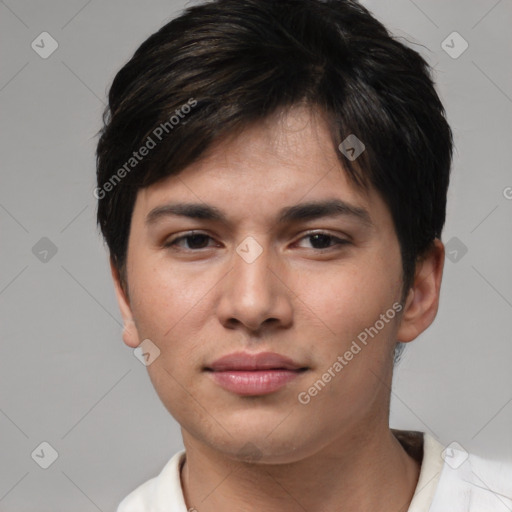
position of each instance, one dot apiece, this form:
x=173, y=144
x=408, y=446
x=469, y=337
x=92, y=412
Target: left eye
x=195, y=241
x=323, y=239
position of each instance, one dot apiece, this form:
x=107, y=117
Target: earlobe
x=422, y=300
x=130, y=333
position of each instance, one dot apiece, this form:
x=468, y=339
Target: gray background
x=65, y=375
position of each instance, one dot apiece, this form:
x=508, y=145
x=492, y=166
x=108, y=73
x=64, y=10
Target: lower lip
x=253, y=383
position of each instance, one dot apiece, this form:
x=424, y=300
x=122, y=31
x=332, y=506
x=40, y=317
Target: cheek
x=167, y=305
x=348, y=298
x=164, y=296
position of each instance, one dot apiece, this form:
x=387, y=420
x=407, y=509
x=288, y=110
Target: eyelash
x=338, y=241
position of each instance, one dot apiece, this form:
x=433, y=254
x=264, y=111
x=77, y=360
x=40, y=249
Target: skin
x=200, y=302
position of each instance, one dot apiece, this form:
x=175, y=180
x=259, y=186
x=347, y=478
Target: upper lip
x=260, y=361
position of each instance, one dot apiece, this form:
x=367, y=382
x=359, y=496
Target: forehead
x=296, y=139
x=284, y=160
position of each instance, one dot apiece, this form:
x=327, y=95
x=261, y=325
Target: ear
x=130, y=333
x=423, y=298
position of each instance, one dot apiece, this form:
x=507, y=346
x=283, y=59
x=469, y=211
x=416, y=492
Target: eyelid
x=327, y=233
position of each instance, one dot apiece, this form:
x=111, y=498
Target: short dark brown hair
x=224, y=64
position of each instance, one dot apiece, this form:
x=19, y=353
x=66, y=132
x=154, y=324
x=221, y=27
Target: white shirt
x=450, y=481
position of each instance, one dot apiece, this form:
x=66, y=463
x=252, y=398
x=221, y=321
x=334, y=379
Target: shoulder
x=471, y=483
x=163, y=490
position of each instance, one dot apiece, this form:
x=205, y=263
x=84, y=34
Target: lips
x=243, y=361
x=260, y=374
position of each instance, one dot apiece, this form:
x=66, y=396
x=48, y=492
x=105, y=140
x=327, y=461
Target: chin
x=260, y=448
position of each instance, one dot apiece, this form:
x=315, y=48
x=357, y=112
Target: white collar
x=477, y=485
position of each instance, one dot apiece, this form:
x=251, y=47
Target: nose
x=254, y=293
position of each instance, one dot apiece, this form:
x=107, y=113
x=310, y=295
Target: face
x=256, y=270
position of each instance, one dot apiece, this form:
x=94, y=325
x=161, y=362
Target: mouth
x=254, y=374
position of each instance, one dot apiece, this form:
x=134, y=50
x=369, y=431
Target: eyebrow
x=300, y=212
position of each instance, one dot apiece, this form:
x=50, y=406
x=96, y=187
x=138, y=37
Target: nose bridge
x=251, y=294
x=251, y=269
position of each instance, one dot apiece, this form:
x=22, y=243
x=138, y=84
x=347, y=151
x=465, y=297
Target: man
x=272, y=180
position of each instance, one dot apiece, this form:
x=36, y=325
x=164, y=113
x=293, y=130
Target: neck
x=356, y=473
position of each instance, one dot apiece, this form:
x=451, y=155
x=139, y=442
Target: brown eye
x=194, y=241
x=321, y=241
